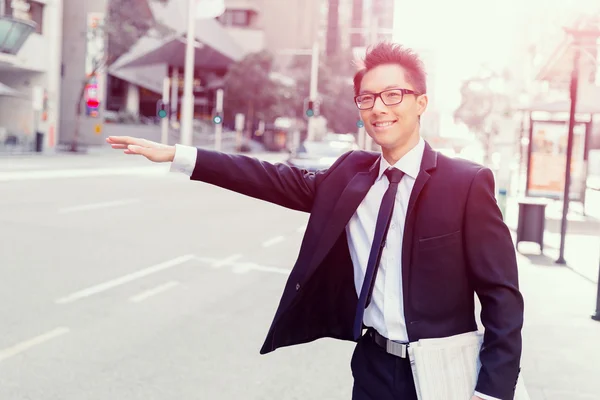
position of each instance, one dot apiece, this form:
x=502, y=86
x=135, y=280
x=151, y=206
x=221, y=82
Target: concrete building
x=30, y=71
x=128, y=90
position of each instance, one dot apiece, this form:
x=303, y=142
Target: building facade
x=30, y=72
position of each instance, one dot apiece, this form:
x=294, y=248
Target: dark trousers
x=379, y=375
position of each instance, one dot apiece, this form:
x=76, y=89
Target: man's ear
x=422, y=102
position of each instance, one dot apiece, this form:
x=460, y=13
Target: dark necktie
x=394, y=175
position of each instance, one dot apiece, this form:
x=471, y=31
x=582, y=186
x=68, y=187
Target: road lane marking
x=26, y=345
x=243, y=267
x=301, y=229
x=226, y=261
x=82, y=173
x=124, y=279
x=154, y=291
x=96, y=206
x=273, y=241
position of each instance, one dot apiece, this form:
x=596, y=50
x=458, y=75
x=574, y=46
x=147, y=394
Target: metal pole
x=574, y=84
x=596, y=316
x=529, y=151
x=314, y=79
x=174, y=95
x=187, y=107
x=164, y=123
x=361, y=138
x=219, y=127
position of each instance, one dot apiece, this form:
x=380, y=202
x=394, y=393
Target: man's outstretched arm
x=277, y=183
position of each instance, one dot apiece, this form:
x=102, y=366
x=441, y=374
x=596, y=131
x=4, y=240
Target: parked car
x=314, y=156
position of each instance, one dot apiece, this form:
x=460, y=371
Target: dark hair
x=392, y=53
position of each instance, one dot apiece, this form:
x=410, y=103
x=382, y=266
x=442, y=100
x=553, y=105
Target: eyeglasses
x=389, y=97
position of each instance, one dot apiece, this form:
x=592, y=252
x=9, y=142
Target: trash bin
x=532, y=221
x=39, y=142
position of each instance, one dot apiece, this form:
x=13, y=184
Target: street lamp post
x=578, y=35
x=197, y=9
x=187, y=106
x=567, y=185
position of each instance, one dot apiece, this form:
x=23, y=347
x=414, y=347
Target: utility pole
x=187, y=106
x=579, y=36
x=313, y=94
x=164, y=122
x=218, y=124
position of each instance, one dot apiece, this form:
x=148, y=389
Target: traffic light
x=310, y=108
x=217, y=118
x=162, y=109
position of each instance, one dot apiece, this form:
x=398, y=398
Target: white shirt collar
x=410, y=164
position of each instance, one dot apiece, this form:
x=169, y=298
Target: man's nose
x=378, y=106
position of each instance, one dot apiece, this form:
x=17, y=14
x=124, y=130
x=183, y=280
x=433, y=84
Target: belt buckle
x=396, y=349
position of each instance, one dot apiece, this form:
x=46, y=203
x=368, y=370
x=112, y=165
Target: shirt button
x=297, y=286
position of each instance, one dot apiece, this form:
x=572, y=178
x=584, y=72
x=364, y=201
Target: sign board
x=94, y=55
x=239, y=122
x=549, y=157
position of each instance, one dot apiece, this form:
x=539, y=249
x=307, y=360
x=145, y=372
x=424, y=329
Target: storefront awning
x=215, y=48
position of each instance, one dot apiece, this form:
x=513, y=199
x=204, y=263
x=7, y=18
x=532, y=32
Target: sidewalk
x=561, y=343
x=582, y=242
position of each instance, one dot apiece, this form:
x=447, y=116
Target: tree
x=126, y=22
x=249, y=89
x=482, y=104
x=334, y=87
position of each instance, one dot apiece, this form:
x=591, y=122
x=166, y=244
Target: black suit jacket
x=455, y=245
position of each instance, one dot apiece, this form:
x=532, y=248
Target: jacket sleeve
x=493, y=266
x=277, y=183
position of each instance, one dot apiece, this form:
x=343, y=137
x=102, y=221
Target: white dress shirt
x=385, y=313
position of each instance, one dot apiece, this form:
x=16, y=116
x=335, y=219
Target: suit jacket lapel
x=344, y=209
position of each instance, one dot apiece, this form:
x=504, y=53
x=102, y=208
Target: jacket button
x=297, y=286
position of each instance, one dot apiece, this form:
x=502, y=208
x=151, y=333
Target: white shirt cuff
x=184, y=160
x=486, y=397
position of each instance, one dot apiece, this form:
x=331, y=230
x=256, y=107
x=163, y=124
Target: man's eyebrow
x=386, y=88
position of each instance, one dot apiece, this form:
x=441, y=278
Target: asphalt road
x=121, y=281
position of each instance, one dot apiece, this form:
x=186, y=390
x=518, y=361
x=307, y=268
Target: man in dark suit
x=397, y=243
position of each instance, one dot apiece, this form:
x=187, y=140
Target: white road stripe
x=124, y=279
x=96, y=206
x=151, y=292
x=301, y=229
x=226, y=261
x=243, y=267
x=81, y=173
x=273, y=241
x=26, y=345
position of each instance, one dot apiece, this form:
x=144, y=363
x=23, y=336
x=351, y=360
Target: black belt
x=391, y=347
